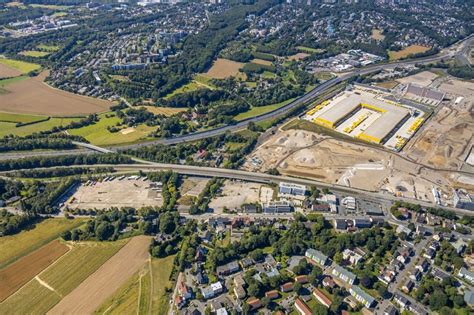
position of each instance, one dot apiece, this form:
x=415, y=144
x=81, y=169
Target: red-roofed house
x=301, y=279
x=323, y=299
x=302, y=308
x=273, y=294
x=287, y=287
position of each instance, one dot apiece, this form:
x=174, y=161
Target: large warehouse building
x=365, y=114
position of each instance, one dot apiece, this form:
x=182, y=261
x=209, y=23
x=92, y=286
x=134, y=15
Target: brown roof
x=287, y=286
x=322, y=297
x=271, y=294
x=301, y=279
x=254, y=303
x=303, y=307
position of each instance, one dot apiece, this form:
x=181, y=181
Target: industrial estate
x=237, y=157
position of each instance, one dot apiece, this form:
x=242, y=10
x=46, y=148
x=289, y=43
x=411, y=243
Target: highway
x=458, y=49
x=262, y=178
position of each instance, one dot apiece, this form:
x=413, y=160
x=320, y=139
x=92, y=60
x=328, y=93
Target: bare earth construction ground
x=124, y=193
x=307, y=154
x=33, y=96
x=99, y=286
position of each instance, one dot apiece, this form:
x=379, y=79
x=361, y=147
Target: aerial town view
x=300, y=157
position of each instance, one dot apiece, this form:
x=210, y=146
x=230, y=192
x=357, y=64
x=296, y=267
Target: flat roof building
x=391, y=116
x=292, y=189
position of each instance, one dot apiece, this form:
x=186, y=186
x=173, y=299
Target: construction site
x=369, y=115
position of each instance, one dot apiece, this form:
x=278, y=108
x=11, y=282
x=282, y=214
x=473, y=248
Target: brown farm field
x=407, y=51
x=106, y=280
x=17, y=274
x=8, y=72
x=33, y=96
x=224, y=68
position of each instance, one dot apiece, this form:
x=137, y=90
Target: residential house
x=184, y=291
x=402, y=301
x=459, y=245
x=340, y=224
x=273, y=294
x=254, y=304
x=302, y=308
x=361, y=296
x=351, y=256
x=292, y=189
x=228, y=269
x=301, y=279
x=466, y=274
x=415, y=275
x=316, y=256
x=344, y=274
x=387, y=276
x=322, y=298
x=422, y=265
x=408, y=286
x=439, y=274
x=390, y=310
x=469, y=298
x=287, y=287
x=429, y=253
x=246, y=262
x=362, y=223
x=328, y=282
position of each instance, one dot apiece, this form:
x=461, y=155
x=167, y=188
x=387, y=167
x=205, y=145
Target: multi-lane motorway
x=266, y=178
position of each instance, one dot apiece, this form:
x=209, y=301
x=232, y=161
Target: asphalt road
x=265, y=178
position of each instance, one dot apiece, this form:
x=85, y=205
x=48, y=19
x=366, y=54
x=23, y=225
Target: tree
x=104, y=231
x=297, y=287
x=438, y=300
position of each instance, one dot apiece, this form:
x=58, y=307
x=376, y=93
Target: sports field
x=33, y=96
x=13, y=247
x=15, y=275
x=224, y=68
x=410, y=50
x=22, y=66
x=99, y=286
x=99, y=135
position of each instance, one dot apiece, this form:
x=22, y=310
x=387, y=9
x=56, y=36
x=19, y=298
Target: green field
x=73, y=268
x=190, y=87
x=13, y=247
x=48, y=48
x=33, y=298
x=7, y=128
x=143, y=293
x=161, y=271
x=34, y=53
x=126, y=299
x=99, y=135
x=22, y=66
x=19, y=118
x=254, y=111
x=310, y=50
